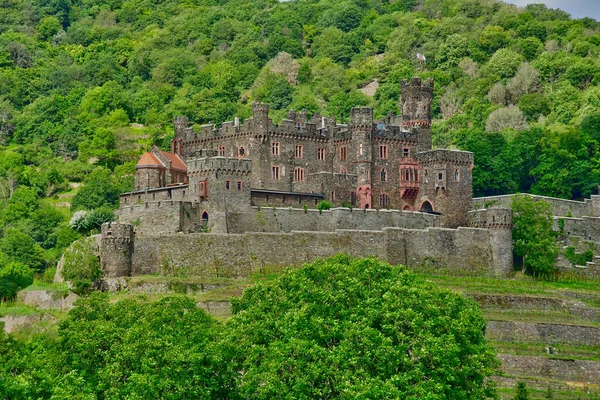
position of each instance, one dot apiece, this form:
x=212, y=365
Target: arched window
x=383, y=175
x=204, y=219
x=241, y=152
x=426, y=206
x=384, y=200
x=407, y=208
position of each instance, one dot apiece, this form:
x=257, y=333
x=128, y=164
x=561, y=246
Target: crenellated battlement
x=491, y=218
x=455, y=157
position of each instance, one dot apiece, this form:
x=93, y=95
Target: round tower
x=116, y=249
x=180, y=124
x=499, y=223
x=417, y=97
x=260, y=115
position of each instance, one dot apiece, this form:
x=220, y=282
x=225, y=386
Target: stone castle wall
x=162, y=217
x=560, y=207
x=236, y=255
x=297, y=219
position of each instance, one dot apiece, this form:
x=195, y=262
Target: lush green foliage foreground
x=339, y=328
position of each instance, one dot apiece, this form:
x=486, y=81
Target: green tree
x=48, y=27
x=357, y=328
x=533, y=237
x=99, y=190
x=21, y=248
x=81, y=265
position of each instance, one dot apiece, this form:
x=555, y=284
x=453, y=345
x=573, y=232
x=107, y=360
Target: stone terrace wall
x=236, y=255
x=587, y=227
x=560, y=207
x=296, y=219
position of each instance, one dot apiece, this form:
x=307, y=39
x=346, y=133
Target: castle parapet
x=491, y=218
x=455, y=157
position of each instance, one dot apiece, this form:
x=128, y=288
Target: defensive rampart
x=560, y=207
x=237, y=255
x=296, y=219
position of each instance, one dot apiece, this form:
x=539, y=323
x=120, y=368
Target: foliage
x=14, y=277
x=506, y=118
x=324, y=205
x=81, y=265
x=343, y=328
x=522, y=393
x=533, y=237
x=578, y=259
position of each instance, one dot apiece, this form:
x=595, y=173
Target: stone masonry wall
x=236, y=255
x=162, y=217
x=296, y=219
x=560, y=207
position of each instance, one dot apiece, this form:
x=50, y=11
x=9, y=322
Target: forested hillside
x=85, y=86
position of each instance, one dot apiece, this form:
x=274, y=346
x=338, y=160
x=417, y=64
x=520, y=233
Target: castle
x=386, y=164
x=235, y=199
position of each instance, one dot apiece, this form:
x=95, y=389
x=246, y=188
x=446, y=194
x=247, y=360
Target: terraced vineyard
x=546, y=334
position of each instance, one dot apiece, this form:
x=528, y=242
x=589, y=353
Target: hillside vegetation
x=85, y=86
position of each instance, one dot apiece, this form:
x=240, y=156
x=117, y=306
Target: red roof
x=176, y=161
x=149, y=160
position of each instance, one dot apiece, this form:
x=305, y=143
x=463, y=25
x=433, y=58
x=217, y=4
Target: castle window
x=221, y=151
x=298, y=174
x=383, y=175
x=332, y=196
x=457, y=175
x=202, y=189
x=321, y=154
x=275, y=148
x=406, y=152
x=440, y=176
x=239, y=186
x=383, y=152
x=384, y=200
x=426, y=177
x=275, y=173
x=227, y=185
x=204, y=218
x=343, y=153
x=360, y=149
x=241, y=152
x=299, y=153
x=368, y=175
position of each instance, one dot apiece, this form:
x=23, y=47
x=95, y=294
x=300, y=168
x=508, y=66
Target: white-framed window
x=383, y=151
x=299, y=151
x=299, y=174
x=275, y=148
x=321, y=154
x=275, y=173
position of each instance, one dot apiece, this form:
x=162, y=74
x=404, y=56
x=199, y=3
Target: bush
x=81, y=265
x=357, y=328
x=14, y=277
x=324, y=205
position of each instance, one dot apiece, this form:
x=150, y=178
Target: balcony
x=409, y=181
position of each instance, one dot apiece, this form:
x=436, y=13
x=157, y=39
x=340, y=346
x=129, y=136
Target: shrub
x=81, y=265
x=14, y=277
x=324, y=205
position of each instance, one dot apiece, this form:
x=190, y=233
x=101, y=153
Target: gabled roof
x=176, y=162
x=149, y=160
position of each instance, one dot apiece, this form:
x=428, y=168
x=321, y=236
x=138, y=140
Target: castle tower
x=260, y=116
x=446, y=185
x=224, y=186
x=416, y=109
x=116, y=249
x=180, y=124
x=499, y=223
x=361, y=126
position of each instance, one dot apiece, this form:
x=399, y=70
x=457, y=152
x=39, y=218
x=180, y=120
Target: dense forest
x=85, y=86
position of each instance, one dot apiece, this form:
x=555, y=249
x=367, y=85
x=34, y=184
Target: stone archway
x=407, y=208
x=426, y=207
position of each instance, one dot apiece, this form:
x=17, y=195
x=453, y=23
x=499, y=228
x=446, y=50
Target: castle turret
x=416, y=109
x=361, y=126
x=116, y=249
x=260, y=116
x=499, y=223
